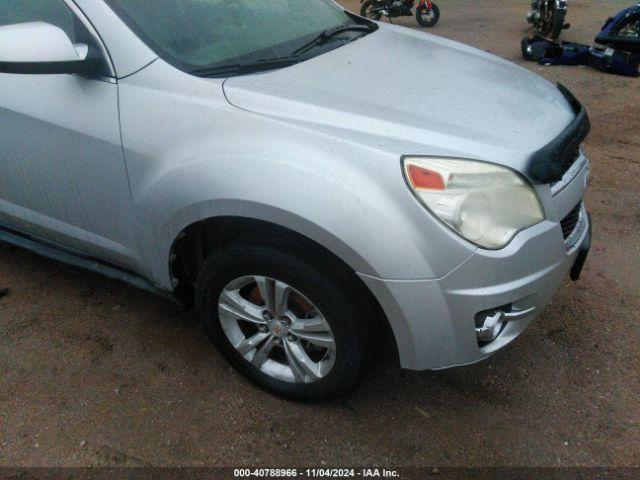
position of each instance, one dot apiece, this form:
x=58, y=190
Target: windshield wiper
x=260, y=65
x=264, y=64
x=325, y=36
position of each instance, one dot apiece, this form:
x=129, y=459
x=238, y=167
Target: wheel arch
x=191, y=246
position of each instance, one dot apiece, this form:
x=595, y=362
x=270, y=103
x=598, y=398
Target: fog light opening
x=489, y=325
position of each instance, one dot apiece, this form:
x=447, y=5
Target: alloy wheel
x=277, y=329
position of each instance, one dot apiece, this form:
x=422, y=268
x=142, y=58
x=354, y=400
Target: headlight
x=484, y=203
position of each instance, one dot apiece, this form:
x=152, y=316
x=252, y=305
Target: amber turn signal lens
x=423, y=178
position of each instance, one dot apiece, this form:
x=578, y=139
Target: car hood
x=413, y=93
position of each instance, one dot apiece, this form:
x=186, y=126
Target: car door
x=62, y=173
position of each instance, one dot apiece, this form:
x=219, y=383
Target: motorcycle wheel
x=554, y=24
x=428, y=17
x=368, y=10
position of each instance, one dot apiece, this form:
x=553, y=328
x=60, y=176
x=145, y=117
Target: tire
x=428, y=23
x=366, y=10
x=557, y=24
x=320, y=283
x=552, y=28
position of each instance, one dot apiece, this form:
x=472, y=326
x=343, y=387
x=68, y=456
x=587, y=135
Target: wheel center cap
x=279, y=328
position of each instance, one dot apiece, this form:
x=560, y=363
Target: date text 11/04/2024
x=315, y=473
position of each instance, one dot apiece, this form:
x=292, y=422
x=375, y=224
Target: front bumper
x=434, y=321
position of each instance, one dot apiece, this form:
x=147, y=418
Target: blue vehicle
x=622, y=32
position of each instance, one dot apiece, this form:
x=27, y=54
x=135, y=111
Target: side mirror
x=42, y=48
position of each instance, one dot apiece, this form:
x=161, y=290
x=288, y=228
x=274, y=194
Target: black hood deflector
x=551, y=162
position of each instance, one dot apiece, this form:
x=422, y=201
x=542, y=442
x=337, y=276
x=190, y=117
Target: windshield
x=196, y=35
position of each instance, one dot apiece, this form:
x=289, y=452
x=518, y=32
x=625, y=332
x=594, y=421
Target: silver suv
x=308, y=179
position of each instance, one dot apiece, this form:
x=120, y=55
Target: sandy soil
x=96, y=373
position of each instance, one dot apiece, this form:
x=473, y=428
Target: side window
x=55, y=12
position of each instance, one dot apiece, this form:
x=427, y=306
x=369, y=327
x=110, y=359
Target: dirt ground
x=96, y=373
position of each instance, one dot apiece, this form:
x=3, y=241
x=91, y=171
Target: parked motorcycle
x=547, y=16
x=427, y=12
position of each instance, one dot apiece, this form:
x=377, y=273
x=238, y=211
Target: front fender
x=347, y=213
